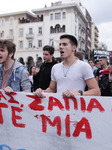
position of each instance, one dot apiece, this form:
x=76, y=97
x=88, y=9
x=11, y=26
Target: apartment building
x=87, y=32
x=94, y=37
x=88, y=35
x=30, y=31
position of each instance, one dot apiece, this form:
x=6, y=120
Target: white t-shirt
x=76, y=75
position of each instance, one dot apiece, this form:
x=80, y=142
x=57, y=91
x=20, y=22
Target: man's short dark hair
x=48, y=48
x=90, y=60
x=11, y=47
x=72, y=39
x=96, y=61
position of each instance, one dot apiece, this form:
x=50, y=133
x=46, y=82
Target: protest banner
x=99, y=52
x=53, y=122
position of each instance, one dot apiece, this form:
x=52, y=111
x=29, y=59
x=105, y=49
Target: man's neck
x=70, y=61
x=8, y=64
x=105, y=66
x=49, y=61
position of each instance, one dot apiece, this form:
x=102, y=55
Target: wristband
x=81, y=93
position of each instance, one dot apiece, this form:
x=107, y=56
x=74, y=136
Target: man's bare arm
x=93, y=88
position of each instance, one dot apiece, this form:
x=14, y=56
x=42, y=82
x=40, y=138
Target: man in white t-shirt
x=72, y=75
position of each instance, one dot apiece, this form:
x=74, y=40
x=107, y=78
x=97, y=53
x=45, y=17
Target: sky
x=100, y=11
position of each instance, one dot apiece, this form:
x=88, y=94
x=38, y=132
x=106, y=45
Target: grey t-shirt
x=76, y=75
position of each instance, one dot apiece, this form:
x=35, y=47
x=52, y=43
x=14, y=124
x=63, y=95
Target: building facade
x=30, y=31
x=88, y=35
x=94, y=37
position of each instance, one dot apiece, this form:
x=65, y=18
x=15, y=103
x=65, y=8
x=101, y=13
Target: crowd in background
x=102, y=70
x=81, y=78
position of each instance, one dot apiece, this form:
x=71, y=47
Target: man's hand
x=70, y=93
x=8, y=89
x=39, y=92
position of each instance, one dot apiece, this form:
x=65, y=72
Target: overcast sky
x=100, y=11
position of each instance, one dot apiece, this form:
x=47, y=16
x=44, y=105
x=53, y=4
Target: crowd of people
x=102, y=70
x=68, y=75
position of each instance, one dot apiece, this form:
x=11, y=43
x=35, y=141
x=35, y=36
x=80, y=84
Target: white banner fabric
x=53, y=122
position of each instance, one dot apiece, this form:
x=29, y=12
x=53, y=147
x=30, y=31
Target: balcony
x=1, y=37
x=10, y=37
x=29, y=36
x=96, y=34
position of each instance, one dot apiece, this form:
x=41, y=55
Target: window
x=30, y=31
x=51, y=42
x=11, y=21
x=39, y=18
x=20, y=44
x=30, y=44
x=75, y=17
x=39, y=43
x=0, y=22
x=57, y=28
x=57, y=15
x=3, y=22
x=11, y=32
x=51, y=16
x=40, y=30
x=51, y=29
x=64, y=15
x=75, y=30
x=63, y=28
x=21, y=32
x=2, y=34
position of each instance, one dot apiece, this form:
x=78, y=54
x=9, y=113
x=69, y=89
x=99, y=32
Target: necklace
x=66, y=72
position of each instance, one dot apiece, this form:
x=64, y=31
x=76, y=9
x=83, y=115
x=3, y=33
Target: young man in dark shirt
x=43, y=78
x=102, y=76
